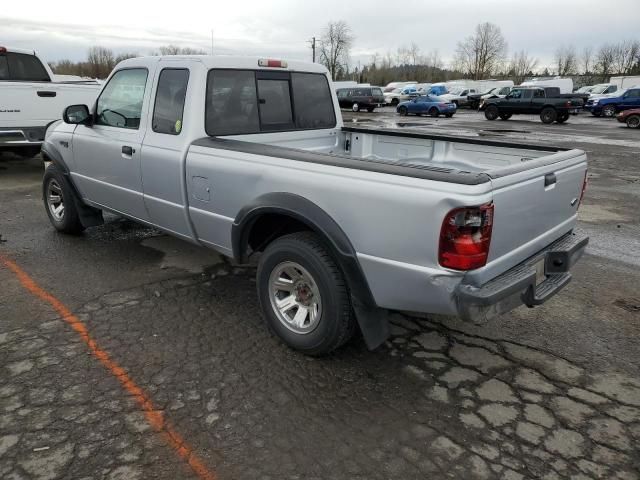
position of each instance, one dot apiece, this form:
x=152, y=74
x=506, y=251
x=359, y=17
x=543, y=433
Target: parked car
x=31, y=97
x=391, y=86
x=459, y=97
x=427, y=104
x=602, y=89
x=630, y=117
x=361, y=97
x=400, y=95
x=250, y=156
x=585, y=89
x=611, y=104
x=547, y=102
x=475, y=99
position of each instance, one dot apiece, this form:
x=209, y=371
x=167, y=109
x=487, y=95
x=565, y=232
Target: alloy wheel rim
x=634, y=122
x=295, y=297
x=55, y=201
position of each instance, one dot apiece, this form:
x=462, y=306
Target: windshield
x=584, y=89
x=455, y=91
x=599, y=88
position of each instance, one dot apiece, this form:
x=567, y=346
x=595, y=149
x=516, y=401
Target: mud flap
x=374, y=324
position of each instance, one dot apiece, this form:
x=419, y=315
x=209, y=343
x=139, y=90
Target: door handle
x=128, y=150
x=549, y=179
x=46, y=93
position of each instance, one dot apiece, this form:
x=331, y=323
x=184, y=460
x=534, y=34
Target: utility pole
x=313, y=48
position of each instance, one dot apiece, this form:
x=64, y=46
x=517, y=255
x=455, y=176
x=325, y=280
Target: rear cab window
x=22, y=67
x=258, y=101
x=170, y=97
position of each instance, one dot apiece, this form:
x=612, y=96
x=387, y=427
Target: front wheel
x=355, y=107
x=303, y=294
x=609, y=111
x=633, y=121
x=370, y=109
x=403, y=111
x=491, y=113
x=548, y=115
x=59, y=201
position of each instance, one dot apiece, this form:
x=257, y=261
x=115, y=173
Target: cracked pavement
x=549, y=393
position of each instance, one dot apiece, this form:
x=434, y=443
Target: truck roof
x=17, y=50
x=228, y=61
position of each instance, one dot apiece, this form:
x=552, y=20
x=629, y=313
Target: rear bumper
x=519, y=286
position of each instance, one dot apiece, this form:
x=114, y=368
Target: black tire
x=455, y=102
x=596, y=114
x=548, y=115
x=434, y=112
x=55, y=182
x=370, y=109
x=633, y=121
x=609, y=111
x=404, y=111
x=336, y=324
x=505, y=116
x=395, y=101
x=491, y=112
x=448, y=115
x=563, y=117
x=355, y=107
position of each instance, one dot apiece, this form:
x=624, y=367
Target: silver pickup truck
x=250, y=157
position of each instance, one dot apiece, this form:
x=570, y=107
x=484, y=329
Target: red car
x=631, y=117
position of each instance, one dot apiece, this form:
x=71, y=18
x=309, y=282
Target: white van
x=625, y=82
x=564, y=84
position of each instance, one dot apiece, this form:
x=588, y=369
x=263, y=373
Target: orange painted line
x=154, y=417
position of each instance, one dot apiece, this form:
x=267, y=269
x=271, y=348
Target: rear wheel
x=505, y=116
x=59, y=201
x=563, y=117
x=370, y=109
x=434, y=112
x=548, y=115
x=303, y=294
x=633, y=121
x=491, y=113
x=448, y=115
x=609, y=111
x=403, y=111
x=355, y=107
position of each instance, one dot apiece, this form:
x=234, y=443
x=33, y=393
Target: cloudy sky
x=282, y=28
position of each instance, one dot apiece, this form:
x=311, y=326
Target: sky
x=283, y=28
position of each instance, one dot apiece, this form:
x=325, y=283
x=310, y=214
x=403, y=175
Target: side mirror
x=76, y=115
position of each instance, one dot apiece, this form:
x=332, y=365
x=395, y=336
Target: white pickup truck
x=250, y=157
x=32, y=97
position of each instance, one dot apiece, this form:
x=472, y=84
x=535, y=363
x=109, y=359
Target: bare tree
x=604, y=59
x=176, y=50
x=335, y=46
x=414, y=53
x=403, y=55
x=123, y=56
x=521, y=65
x=565, y=59
x=482, y=53
x=624, y=56
x=100, y=62
x=586, y=59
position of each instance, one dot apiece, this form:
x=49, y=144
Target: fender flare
x=372, y=320
x=89, y=216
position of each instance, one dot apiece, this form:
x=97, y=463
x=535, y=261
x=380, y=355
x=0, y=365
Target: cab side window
x=120, y=104
x=170, y=96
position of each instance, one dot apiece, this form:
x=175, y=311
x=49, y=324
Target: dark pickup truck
x=548, y=102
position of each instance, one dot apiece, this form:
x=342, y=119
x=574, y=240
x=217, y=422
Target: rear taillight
x=3, y=49
x=465, y=237
x=268, y=62
x=568, y=104
x=584, y=188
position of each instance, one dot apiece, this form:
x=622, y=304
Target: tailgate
x=533, y=208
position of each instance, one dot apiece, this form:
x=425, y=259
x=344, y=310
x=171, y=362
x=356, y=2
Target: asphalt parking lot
x=126, y=354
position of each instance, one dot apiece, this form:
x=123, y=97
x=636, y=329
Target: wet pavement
x=552, y=392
